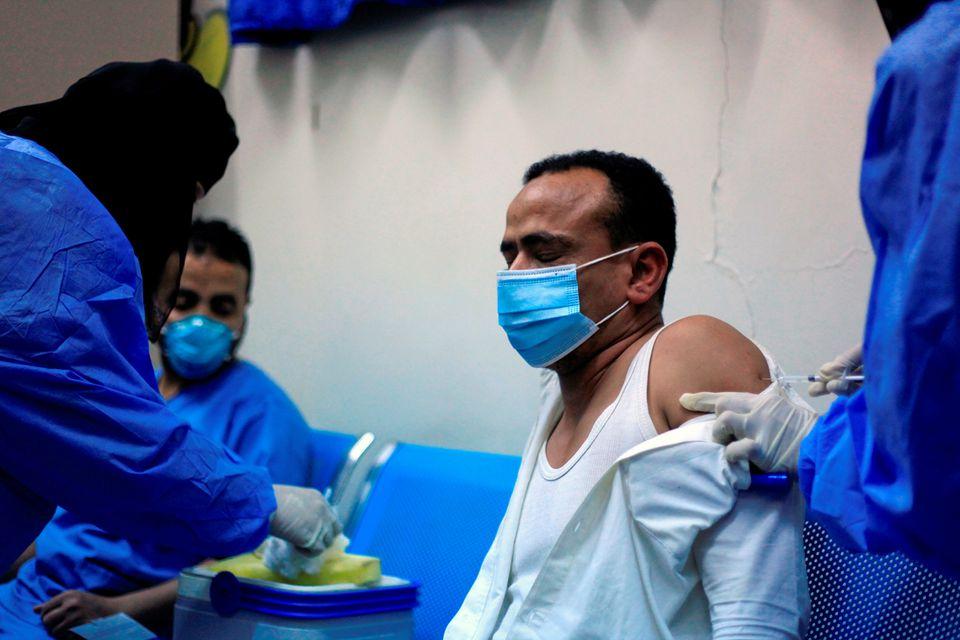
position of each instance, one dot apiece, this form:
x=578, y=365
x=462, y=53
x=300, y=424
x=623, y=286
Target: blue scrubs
x=240, y=407
x=82, y=424
x=881, y=470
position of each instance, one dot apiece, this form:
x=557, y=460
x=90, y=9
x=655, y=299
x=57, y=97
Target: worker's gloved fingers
x=710, y=402
x=847, y=362
x=282, y=557
x=305, y=519
x=322, y=542
x=817, y=389
x=852, y=358
x=730, y=425
x=831, y=370
x=838, y=386
x=736, y=402
x=734, y=423
x=745, y=449
x=842, y=387
x=297, y=519
x=329, y=527
x=329, y=532
x=703, y=402
x=723, y=433
x=336, y=528
x=316, y=546
x=301, y=558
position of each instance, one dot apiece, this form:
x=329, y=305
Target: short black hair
x=224, y=242
x=644, y=209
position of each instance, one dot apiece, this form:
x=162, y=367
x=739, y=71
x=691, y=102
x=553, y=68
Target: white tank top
x=553, y=495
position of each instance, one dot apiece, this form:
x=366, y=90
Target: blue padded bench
x=430, y=514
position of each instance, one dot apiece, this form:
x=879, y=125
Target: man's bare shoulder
x=700, y=353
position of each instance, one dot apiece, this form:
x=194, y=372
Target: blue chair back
x=863, y=596
x=430, y=515
x=330, y=450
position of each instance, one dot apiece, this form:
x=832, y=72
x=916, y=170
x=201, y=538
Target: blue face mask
x=539, y=310
x=197, y=346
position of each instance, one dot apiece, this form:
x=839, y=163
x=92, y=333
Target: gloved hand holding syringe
x=767, y=429
x=842, y=376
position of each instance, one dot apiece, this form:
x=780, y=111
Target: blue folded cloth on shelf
x=285, y=22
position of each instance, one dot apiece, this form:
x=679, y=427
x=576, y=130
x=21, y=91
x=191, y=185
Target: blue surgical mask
x=539, y=310
x=197, y=346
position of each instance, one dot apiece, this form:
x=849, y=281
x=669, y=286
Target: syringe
x=815, y=378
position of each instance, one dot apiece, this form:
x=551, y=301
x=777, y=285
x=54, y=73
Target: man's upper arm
x=751, y=567
x=700, y=353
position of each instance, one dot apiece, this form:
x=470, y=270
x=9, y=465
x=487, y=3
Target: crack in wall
x=842, y=261
x=714, y=258
x=724, y=103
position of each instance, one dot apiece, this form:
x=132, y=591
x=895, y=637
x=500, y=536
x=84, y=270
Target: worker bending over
x=81, y=572
x=97, y=190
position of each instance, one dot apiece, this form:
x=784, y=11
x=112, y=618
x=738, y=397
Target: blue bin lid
x=229, y=594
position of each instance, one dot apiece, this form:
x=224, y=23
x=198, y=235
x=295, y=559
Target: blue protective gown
x=881, y=469
x=81, y=421
x=240, y=407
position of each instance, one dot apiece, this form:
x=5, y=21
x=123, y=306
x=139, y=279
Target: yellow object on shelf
x=209, y=48
x=342, y=568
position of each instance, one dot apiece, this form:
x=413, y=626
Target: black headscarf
x=140, y=135
x=901, y=14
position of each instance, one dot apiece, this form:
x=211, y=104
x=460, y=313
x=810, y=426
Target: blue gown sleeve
x=881, y=469
x=83, y=425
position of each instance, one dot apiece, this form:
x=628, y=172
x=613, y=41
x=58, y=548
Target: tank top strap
x=638, y=381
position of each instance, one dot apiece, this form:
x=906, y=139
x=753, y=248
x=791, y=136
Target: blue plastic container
x=223, y=607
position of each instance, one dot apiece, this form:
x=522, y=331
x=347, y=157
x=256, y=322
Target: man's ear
x=243, y=328
x=240, y=336
x=649, y=271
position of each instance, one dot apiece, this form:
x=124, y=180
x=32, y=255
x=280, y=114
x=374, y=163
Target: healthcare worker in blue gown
x=880, y=470
x=96, y=197
x=80, y=572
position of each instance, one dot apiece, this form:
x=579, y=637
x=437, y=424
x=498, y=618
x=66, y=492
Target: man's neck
x=580, y=385
x=170, y=384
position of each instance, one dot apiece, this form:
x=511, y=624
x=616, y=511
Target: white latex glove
x=304, y=519
x=282, y=557
x=850, y=361
x=765, y=429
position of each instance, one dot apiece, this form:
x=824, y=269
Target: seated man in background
x=81, y=572
x=625, y=521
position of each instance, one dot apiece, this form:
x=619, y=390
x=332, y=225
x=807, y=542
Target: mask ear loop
x=607, y=257
x=601, y=259
x=615, y=312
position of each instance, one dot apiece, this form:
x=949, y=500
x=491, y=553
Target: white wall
x=376, y=165
x=45, y=45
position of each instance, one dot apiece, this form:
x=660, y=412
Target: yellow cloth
x=342, y=568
